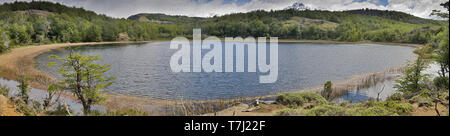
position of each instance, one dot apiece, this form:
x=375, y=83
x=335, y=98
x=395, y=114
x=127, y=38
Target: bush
x=425, y=93
x=370, y=111
x=288, y=112
x=300, y=98
x=60, y=111
x=441, y=82
x=326, y=110
x=4, y=91
x=3, y=48
x=395, y=107
x=24, y=108
x=327, y=90
x=395, y=97
x=421, y=100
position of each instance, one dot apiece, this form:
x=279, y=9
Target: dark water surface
x=143, y=69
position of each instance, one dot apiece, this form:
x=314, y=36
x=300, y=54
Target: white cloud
x=125, y=8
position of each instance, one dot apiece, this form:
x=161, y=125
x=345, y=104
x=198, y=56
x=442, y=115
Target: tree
x=93, y=34
x=23, y=88
x=440, y=13
x=52, y=91
x=442, y=53
x=84, y=78
x=4, y=43
x=413, y=77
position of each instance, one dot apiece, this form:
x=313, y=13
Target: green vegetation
x=296, y=99
x=327, y=90
x=289, y=112
x=324, y=108
x=25, y=23
x=5, y=91
x=413, y=78
x=37, y=22
x=83, y=78
x=416, y=86
x=41, y=22
x=23, y=88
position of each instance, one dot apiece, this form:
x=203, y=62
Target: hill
x=394, y=15
x=353, y=25
x=165, y=19
x=37, y=22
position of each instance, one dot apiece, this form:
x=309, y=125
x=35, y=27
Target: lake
x=143, y=69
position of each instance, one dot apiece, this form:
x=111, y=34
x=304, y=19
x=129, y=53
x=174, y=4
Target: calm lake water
x=143, y=69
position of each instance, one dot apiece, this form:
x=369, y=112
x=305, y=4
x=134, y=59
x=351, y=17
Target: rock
x=251, y=109
x=269, y=102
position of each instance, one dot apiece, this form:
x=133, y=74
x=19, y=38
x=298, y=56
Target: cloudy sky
x=205, y=8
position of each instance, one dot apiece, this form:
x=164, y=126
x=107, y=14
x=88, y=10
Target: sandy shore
x=21, y=60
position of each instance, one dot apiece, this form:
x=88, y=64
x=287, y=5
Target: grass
x=326, y=110
x=296, y=99
x=388, y=108
x=364, y=81
x=320, y=106
x=192, y=108
x=289, y=112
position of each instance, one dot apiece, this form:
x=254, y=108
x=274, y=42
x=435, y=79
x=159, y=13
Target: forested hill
x=159, y=18
x=394, y=15
x=354, y=25
x=50, y=7
x=23, y=23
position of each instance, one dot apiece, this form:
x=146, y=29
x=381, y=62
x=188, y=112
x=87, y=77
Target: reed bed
x=365, y=81
x=195, y=108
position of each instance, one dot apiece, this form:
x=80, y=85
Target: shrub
x=3, y=48
x=327, y=90
x=24, y=108
x=300, y=98
x=399, y=108
x=421, y=100
x=425, y=93
x=370, y=111
x=441, y=82
x=60, y=110
x=395, y=97
x=326, y=110
x=288, y=112
x=4, y=91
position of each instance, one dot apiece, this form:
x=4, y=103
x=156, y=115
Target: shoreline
x=22, y=60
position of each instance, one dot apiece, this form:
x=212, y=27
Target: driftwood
x=67, y=109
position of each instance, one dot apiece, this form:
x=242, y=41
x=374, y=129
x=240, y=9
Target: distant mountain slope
x=394, y=15
x=164, y=19
x=38, y=22
x=47, y=6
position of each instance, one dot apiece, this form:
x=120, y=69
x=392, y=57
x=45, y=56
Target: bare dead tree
x=378, y=95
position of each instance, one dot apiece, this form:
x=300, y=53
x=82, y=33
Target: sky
x=207, y=8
